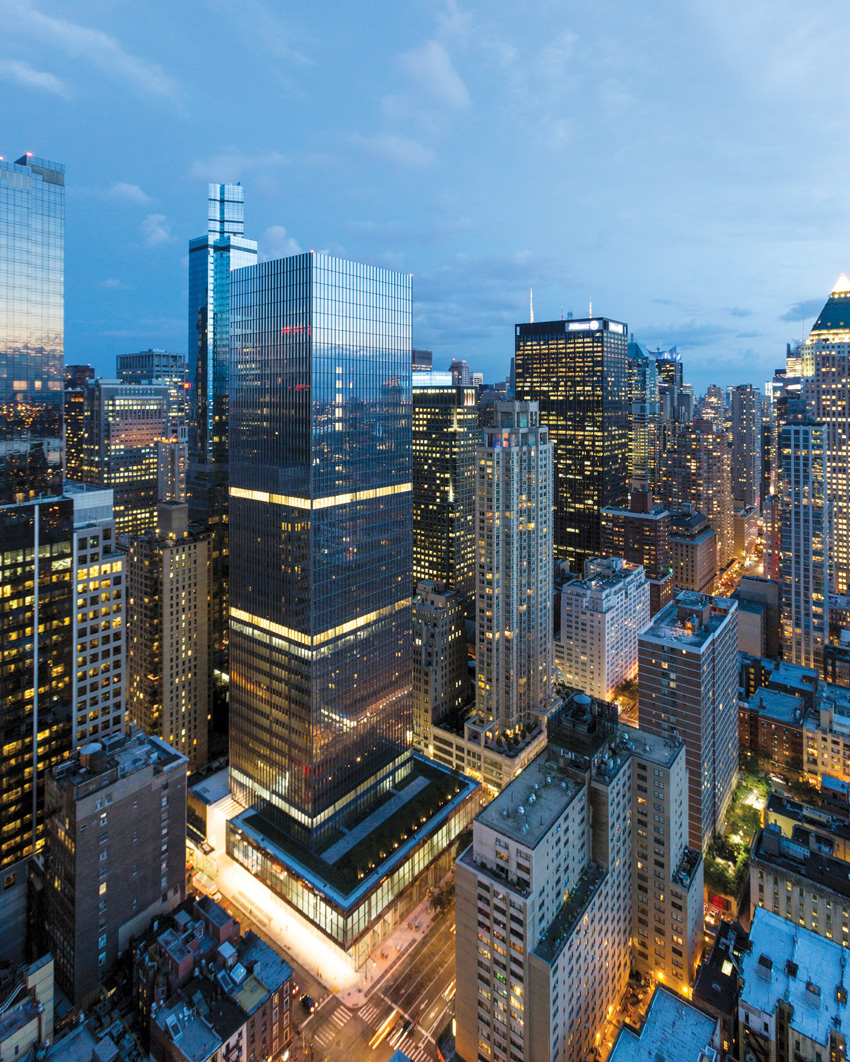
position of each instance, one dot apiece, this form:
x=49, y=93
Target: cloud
x=23, y=74
x=156, y=230
x=112, y=284
x=230, y=164
x=398, y=149
x=431, y=70
x=740, y=311
x=94, y=46
x=801, y=310
x=130, y=193
x=276, y=243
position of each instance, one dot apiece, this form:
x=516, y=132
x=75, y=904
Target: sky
x=681, y=164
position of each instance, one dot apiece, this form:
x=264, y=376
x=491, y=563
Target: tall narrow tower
x=746, y=445
x=513, y=598
x=211, y=259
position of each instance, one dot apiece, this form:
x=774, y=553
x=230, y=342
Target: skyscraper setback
x=211, y=259
x=576, y=371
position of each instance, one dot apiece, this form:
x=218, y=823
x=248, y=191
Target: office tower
x=746, y=446
x=762, y=597
x=211, y=259
x=172, y=462
x=158, y=366
x=688, y=687
x=554, y=896
x=478, y=380
x=577, y=372
x=641, y=535
x=825, y=367
x=74, y=398
x=320, y=621
x=116, y=854
x=693, y=550
x=98, y=621
x=461, y=376
x=423, y=360
x=441, y=683
x=696, y=470
x=513, y=597
x=644, y=414
x=772, y=554
x=445, y=441
x=601, y=616
x=714, y=406
x=168, y=636
x=670, y=368
x=32, y=241
x=806, y=543
x=36, y=526
x=122, y=424
x=745, y=527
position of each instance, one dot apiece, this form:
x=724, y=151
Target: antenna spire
x=590, y=307
x=531, y=303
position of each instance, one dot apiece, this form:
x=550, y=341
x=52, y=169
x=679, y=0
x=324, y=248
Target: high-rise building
x=122, y=425
x=714, y=406
x=555, y=899
x=423, y=360
x=513, y=597
x=320, y=617
x=211, y=260
x=32, y=327
x=98, y=620
x=696, y=470
x=440, y=666
x=601, y=616
x=688, y=688
x=746, y=445
x=641, y=535
x=693, y=550
x=825, y=367
x=806, y=543
x=168, y=636
x=577, y=372
x=76, y=377
x=670, y=368
x=445, y=441
x=644, y=414
x=116, y=853
x=172, y=461
x=461, y=375
x=158, y=366
x=36, y=525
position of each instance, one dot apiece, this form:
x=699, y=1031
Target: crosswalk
x=370, y=1012
x=416, y=1052
x=331, y=1026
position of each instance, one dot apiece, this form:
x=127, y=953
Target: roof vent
x=812, y=994
x=765, y=967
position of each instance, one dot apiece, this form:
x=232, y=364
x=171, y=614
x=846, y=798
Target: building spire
x=531, y=303
x=590, y=307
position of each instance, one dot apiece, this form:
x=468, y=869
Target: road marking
x=369, y=1013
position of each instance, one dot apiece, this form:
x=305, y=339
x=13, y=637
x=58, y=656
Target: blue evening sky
x=682, y=164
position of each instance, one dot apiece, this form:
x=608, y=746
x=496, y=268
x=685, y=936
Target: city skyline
x=456, y=158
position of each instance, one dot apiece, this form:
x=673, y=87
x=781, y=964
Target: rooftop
x=717, y=977
x=771, y=847
x=790, y=963
x=783, y=707
x=672, y=1029
x=691, y=621
x=533, y=802
x=659, y=750
x=554, y=940
x=102, y=763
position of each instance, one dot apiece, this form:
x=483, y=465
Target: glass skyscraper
x=211, y=259
x=320, y=528
x=36, y=525
x=577, y=372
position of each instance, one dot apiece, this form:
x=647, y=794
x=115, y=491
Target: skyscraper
x=445, y=441
x=36, y=525
x=825, y=366
x=696, y=470
x=211, y=259
x=321, y=581
x=76, y=377
x=805, y=538
x=746, y=445
x=513, y=597
x=644, y=414
x=122, y=425
x=149, y=366
x=577, y=373
x=32, y=328
x=688, y=689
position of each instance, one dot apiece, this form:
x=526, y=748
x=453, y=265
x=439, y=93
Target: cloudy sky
x=682, y=164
